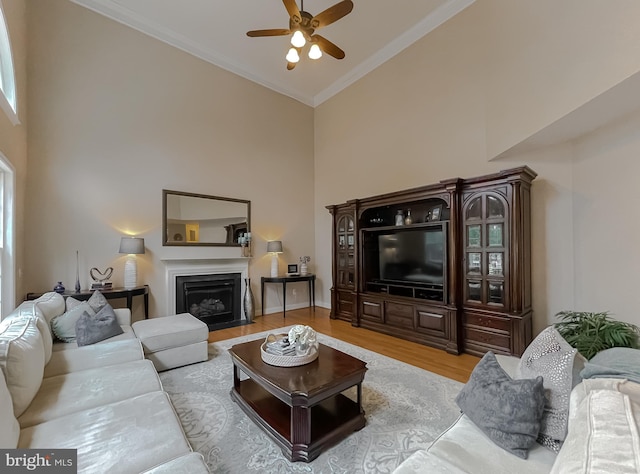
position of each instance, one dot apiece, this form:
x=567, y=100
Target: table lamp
x=132, y=246
x=274, y=247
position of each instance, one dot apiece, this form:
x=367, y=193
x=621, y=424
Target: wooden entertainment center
x=447, y=265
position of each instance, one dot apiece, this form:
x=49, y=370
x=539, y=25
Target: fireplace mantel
x=180, y=267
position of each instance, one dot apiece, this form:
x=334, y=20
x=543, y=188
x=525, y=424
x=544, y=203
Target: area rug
x=405, y=408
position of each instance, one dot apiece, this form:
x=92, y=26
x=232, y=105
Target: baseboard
x=291, y=307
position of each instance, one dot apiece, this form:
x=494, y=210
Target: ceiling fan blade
x=328, y=47
x=332, y=14
x=293, y=10
x=274, y=32
x=290, y=66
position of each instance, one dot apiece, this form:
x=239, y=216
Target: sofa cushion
x=126, y=335
x=59, y=395
x=559, y=364
x=463, y=448
x=21, y=360
x=506, y=410
x=132, y=435
x=93, y=356
x=92, y=329
x=51, y=304
x=602, y=436
x=64, y=326
x=28, y=309
x=9, y=427
x=616, y=362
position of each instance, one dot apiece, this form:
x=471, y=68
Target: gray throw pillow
x=97, y=301
x=559, y=364
x=508, y=411
x=617, y=363
x=91, y=329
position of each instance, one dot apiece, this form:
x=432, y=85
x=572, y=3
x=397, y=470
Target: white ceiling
x=215, y=30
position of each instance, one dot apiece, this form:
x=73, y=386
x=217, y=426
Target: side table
x=310, y=278
x=113, y=293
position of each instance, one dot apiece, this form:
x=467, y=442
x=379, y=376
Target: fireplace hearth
x=215, y=299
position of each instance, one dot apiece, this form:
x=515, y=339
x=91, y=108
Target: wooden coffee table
x=301, y=408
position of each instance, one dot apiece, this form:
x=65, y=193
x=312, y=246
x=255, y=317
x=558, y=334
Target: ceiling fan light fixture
x=293, y=56
x=298, y=40
x=315, y=52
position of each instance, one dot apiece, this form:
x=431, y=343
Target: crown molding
x=117, y=12
x=421, y=29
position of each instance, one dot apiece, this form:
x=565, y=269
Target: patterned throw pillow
x=559, y=364
x=71, y=303
x=97, y=301
x=508, y=411
x=64, y=326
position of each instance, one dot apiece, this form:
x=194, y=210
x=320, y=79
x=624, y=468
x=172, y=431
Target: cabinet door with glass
x=486, y=244
x=345, y=251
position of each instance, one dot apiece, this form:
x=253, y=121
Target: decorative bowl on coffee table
x=287, y=360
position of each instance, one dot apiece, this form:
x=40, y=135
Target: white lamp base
x=274, y=265
x=130, y=272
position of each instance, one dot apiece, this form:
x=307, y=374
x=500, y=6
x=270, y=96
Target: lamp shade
x=132, y=245
x=274, y=246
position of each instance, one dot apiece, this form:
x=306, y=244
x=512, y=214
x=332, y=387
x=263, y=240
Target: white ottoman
x=173, y=341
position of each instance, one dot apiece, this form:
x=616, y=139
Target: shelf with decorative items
x=344, y=265
x=245, y=244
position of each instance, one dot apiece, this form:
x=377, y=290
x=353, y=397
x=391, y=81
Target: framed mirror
x=190, y=219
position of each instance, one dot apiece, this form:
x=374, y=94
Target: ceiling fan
x=302, y=26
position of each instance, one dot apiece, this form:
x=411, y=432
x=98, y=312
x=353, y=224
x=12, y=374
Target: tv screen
x=415, y=255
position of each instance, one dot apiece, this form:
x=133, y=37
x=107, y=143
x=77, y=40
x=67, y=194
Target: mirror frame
x=165, y=241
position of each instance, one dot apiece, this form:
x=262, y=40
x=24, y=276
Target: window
x=7, y=239
x=7, y=75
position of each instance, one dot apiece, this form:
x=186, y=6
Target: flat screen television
x=415, y=256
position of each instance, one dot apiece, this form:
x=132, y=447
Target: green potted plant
x=591, y=333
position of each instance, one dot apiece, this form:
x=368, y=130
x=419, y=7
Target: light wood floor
x=434, y=360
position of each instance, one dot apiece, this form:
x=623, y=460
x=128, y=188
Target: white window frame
x=8, y=240
x=8, y=98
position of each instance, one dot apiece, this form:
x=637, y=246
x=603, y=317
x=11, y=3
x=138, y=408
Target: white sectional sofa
x=105, y=400
x=602, y=437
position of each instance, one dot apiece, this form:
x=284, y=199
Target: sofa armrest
x=123, y=315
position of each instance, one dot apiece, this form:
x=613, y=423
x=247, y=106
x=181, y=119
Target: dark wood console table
x=113, y=293
x=310, y=278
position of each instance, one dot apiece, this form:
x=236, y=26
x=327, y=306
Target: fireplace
x=210, y=289
x=214, y=299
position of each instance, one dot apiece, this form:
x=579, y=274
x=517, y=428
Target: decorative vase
x=249, y=307
x=399, y=218
x=59, y=288
x=78, y=288
x=408, y=220
x=303, y=269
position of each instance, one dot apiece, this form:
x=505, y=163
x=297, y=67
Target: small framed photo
x=292, y=269
x=435, y=213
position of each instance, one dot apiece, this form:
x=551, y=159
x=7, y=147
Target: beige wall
x=116, y=116
x=487, y=79
x=606, y=228
x=13, y=138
